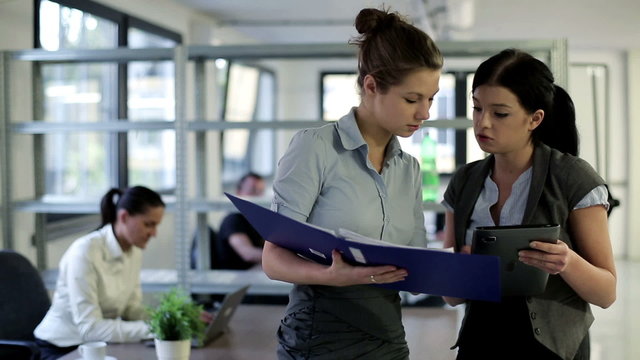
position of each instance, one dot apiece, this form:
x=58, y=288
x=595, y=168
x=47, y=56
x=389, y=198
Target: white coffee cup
x=96, y=350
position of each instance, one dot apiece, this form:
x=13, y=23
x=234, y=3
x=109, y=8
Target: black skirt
x=358, y=322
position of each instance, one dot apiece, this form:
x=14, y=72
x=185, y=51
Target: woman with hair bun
x=533, y=176
x=353, y=175
x=98, y=295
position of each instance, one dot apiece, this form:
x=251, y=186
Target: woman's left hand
x=551, y=258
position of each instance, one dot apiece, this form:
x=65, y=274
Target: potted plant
x=175, y=321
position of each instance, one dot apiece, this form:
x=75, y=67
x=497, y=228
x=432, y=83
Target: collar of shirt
x=512, y=212
x=113, y=247
x=513, y=208
x=351, y=137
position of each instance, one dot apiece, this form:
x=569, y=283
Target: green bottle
x=430, y=176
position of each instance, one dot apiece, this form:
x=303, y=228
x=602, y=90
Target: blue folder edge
x=434, y=272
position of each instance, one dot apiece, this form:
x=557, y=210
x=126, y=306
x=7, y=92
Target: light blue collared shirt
x=325, y=178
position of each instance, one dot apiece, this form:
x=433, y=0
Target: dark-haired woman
x=98, y=295
x=533, y=176
x=354, y=175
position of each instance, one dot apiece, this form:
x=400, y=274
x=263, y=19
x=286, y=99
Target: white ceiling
x=585, y=23
x=291, y=21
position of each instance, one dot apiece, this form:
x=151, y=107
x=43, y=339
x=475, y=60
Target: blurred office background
x=79, y=117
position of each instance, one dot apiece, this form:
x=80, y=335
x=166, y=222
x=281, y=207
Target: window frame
x=118, y=141
x=228, y=184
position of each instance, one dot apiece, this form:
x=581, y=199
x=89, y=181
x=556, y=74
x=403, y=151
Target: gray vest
x=559, y=181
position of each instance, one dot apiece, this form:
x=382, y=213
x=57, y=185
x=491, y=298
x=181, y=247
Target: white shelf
x=41, y=127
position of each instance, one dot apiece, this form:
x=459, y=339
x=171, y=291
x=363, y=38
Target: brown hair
x=391, y=48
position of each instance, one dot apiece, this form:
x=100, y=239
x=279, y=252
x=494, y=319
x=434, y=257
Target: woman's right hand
x=343, y=274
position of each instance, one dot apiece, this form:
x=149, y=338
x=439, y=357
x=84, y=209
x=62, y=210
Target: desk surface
x=252, y=335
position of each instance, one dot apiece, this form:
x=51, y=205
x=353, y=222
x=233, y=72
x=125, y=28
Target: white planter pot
x=173, y=350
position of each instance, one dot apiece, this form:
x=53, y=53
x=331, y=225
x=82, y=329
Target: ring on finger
x=373, y=278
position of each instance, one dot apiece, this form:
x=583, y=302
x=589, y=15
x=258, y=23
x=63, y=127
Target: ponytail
x=558, y=129
x=108, y=206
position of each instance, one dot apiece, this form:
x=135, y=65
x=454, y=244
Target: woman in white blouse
x=98, y=295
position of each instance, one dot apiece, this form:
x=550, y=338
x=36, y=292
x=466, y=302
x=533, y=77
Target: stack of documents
x=430, y=271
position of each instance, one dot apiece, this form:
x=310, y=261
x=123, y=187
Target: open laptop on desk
x=223, y=315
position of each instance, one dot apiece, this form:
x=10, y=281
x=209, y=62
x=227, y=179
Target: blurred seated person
x=98, y=296
x=237, y=245
x=240, y=245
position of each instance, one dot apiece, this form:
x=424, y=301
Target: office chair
x=23, y=303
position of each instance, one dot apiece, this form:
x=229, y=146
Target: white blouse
x=98, y=295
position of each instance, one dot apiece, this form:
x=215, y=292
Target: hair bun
x=370, y=19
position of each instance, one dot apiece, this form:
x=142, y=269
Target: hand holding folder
x=430, y=271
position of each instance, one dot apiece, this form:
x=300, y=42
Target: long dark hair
x=391, y=48
x=533, y=84
x=136, y=200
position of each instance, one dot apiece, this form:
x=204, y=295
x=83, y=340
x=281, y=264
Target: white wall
x=633, y=66
x=614, y=160
x=588, y=24
x=16, y=32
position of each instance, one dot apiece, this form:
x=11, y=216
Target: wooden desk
x=252, y=335
x=430, y=333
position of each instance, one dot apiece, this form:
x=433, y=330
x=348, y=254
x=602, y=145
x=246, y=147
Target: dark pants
x=48, y=351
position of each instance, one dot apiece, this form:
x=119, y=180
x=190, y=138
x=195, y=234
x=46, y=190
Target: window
x=249, y=96
x=76, y=93
x=339, y=94
x=150, y=91
x=85, y=164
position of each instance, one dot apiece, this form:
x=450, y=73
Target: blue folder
x=434, y=272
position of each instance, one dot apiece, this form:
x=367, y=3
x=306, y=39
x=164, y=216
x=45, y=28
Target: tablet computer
x=517, y=278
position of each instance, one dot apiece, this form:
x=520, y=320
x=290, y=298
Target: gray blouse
x=325, y=178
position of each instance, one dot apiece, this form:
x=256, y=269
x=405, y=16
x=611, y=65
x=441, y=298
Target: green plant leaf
x=176, y=317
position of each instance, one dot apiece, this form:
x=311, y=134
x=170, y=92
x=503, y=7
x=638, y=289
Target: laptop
x=517, y=278
x=223, y=314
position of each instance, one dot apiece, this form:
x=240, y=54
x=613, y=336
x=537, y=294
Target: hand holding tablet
x=517, y=278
